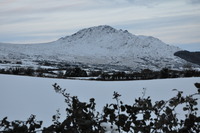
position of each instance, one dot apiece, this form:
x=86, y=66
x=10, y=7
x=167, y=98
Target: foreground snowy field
x=21, y=96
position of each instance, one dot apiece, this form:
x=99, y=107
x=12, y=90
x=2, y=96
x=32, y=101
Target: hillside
x=100, y=45
x=193, y=57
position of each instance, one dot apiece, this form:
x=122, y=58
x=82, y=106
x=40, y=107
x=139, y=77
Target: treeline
x=100, y=74
x=149, y=74
x=46, y=72
x=18, y=71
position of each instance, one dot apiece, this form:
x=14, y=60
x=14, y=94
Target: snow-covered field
x=21, y=96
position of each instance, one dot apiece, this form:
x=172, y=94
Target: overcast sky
x=31, y=21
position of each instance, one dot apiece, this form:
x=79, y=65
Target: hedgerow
x=142, y=116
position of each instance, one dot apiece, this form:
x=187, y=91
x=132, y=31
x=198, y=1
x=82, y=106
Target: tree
x=75, y=72
x=164, y=73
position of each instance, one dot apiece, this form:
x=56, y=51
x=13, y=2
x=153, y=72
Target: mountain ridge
x=100, y=45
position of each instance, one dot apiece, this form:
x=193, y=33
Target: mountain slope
x=99, y=45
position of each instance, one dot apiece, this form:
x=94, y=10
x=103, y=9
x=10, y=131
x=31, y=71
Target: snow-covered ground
x=21, y=96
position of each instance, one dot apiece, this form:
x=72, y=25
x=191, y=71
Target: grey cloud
x=148, y=3
x=171, y=29
x=193, y=1
x=161, y=22
x=18, y=20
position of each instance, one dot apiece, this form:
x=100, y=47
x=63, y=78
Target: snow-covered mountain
x=99, y=45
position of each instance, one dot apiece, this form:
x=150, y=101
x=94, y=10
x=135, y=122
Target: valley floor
x=21, y=96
